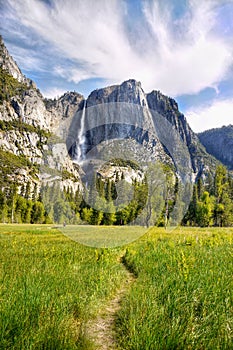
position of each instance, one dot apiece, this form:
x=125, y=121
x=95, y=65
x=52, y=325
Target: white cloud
x=52, y=92
x=211, y=116
x=72, y=74
x=27, y=62
x=178, y=57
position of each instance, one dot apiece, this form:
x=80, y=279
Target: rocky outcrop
x=129, y=91
x=32, y=109
x=8, y=64
x=65, y=107
x=219, y=143
x=29, y=122
x=202, y=162
x=126, y=112
x=30, y=106
x=22, y=143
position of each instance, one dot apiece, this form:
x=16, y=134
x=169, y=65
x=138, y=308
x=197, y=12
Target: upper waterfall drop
x=81, y=137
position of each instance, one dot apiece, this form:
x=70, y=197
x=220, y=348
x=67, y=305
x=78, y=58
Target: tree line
x=118, y=202
x=212, y=202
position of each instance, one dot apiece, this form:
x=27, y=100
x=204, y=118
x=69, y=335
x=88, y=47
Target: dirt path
x=102, y=329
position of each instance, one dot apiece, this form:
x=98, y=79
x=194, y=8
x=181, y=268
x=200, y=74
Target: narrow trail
x=102, y=329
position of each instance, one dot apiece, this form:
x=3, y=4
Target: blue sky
x=184, y=48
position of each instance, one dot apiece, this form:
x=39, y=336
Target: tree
x=37, y=213
x=20, y=208
x=108, y=190
x=109, y=217
x=155, y=183
x=77, y=200
x=191, y=216
x=35, y=193
x=59, y=211
x=28, y=191
x=86, y=215
x=170, y=193
x=200, y=187
x=11, y=195
x=224, y=211
x=3, y=207
x=26, y=215
x=205, y=207
x=223, y=205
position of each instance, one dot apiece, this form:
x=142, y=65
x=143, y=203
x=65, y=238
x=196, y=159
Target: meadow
x=51, y=286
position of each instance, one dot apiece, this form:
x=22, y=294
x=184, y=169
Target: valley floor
x=165, y=290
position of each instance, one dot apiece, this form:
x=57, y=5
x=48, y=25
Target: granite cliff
x=41, y=130
x=29, y=129
x=219, y=143
x=126, y=111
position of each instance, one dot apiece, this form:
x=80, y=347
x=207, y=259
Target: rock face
x=121, y=112
x=30, y=106
x=7, y=63
x=202, y=162
x=129, y=91
x=219, y=143
x=62, y=108
x=126, y=112
x=37, y=128
x=28, y=123
x=22, y=143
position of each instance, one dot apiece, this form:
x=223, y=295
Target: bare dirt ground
x=102, y=329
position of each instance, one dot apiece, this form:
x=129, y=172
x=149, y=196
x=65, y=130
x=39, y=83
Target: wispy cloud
x=176, y=55
x=53, y=92
x=211, y=116
x=34, y=61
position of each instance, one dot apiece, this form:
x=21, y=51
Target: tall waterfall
x=81, y=137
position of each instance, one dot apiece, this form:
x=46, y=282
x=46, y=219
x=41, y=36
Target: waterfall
x=81, y=138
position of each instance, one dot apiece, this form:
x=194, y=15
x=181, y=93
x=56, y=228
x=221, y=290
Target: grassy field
x=183, y=296
x=51, y=286
x=103, y=236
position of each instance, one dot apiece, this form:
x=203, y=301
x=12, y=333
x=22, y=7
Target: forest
x=211, y=204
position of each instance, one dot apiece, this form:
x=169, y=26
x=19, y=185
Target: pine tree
x=109, y=216
x=223, y=202
x=3, y=207
x=108, y=190
x=35, y=193
x=191, y=216
x=100, y=186
x=204, y=213
x=77, y=200
x=28, y=191
x=200, y=188
x=11, y=200
x=86, y=215
x=37, y=213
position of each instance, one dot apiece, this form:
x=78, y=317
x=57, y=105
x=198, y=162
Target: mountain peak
x=132, y=83
x=130, y=91
x=8, y=64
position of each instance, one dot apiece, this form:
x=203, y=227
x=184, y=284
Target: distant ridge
x=219, y=143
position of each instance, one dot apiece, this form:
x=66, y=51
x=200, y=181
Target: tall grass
x=183, y=297
x=50, y=286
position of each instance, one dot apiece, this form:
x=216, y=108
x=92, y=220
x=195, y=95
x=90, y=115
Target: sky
x=184, y=48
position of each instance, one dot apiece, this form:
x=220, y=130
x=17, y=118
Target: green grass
x=103, y=236
x=183, y=297
x=51, y=286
